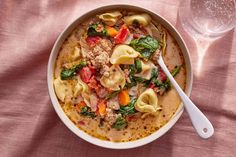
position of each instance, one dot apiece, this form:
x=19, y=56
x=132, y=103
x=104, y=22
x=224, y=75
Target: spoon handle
x=200, y=122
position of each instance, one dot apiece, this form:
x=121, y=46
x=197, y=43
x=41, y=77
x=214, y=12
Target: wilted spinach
x=97, y=29
x=86, y=111
x=69, y=73
x=120, y=123
x=112, y=94
x=146, y=46
x=129, y=109
x=166, y=84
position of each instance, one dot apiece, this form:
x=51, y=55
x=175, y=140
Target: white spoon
x=200, y=122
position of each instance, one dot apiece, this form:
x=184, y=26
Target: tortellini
x=80, y=87
x=62, y=89
x=146, y=72
x=141, y=19
x=123, y=54
x=76, y=53
x=116, y=79
x=147, y=102
x=110, y=18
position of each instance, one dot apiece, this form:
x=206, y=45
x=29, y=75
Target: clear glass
x=208, y=18
x=206, y=21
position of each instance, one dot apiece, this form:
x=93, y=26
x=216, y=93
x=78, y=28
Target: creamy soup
x=107, y=78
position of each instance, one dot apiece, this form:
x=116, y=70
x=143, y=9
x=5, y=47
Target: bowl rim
x=108, y=144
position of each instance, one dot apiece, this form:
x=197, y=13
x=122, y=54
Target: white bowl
x=70, y=124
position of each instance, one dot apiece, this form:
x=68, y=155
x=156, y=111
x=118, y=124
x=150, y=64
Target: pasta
x=76, y=53
x=110, y=18
x=123, y=54
x=116, y=79
x=62, y=89
x=141, y=19
x=147, y=102
x=80, y=87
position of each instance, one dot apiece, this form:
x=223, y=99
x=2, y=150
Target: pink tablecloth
x=29, y=125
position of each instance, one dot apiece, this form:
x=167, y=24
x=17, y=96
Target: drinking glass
x=205, y=21
x=207, y=18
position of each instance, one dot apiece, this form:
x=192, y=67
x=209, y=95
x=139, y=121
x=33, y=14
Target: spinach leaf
x=139, y=79
x=129, y=109
x=131, y=84
x=174, y=72
x=146, y=46
x=97, y=29
x=112, y=94
x=138, y=66
x=162, y=85
x=154, y=74
x=120, y=123
x=69, y=73
x=166, y=84
x=85, y=111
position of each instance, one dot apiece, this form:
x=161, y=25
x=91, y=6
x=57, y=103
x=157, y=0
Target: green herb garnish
x=97, y=29
x=166, y=84
x=129, y=109
x=154, y=74
x=146, y=46
x=69, y=73
x=86, y=111
x=120, y=123
x=174, y=72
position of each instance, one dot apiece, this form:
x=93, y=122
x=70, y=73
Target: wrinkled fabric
x=29, y=125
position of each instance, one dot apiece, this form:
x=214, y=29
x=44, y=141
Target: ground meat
x=105, y=70
x=113, y=103
x=102, y=92
x=138, y=31
x=111, y=116
x=100, y=60
x=106, y=45
x=126, y=72
x=97, y=55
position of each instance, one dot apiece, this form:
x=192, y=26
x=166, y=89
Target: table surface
x=29, y=125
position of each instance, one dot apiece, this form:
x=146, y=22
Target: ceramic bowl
x=70, y=124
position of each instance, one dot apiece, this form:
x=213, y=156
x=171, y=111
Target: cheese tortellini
x=147, y=102
x=80, y=87
x=110, y=18
x=76, y=53
x=141, y=19
x=62, y=89
x=123, y=54
x=116, y=79
x=146, y=72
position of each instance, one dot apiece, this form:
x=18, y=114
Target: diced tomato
x=92, y=41
x=93, y=83
x=122, y=34
x=136, y=36
x=81, y=122
x=163, y=76
x=131, y=118
x=152, y=85
x=86, y=73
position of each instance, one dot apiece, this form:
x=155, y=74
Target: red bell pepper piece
x=122, y=35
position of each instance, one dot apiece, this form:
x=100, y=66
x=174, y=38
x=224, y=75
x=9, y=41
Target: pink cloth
x=29, y=125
